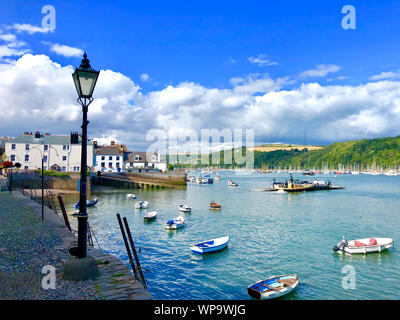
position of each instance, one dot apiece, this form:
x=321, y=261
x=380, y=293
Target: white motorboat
x=131, y=196
x=363, y=246
x=185, y=208
x=176, y=223
x=141, y=205
x=232, y=184
x=150, y=215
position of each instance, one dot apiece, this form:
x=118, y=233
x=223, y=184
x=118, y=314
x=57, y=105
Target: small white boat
x=185, y=208
x=363, y=246
x=150, y=215
x=273, y=287
x=217, y=177
x=210, y=245
x=176, y=223
x=141, y=205
x=131, y=196
x=232, y=184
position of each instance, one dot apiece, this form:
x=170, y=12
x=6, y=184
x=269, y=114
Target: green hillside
x=362, y=154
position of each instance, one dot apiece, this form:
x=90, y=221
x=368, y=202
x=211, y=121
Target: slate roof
x=45, y=139
x=109, y=150
x=143, y=156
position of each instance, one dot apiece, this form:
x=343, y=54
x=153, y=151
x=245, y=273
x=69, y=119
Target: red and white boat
x=363, y=246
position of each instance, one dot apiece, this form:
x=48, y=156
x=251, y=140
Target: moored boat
x=141, y=205
x=185, y=208
x=212, y=245
x=131, y=196
x=363, y=246
x=215, y=206
x=273, y=287
x=232, y=184
x=150, y=215
x=177, y=223
x=89, y=203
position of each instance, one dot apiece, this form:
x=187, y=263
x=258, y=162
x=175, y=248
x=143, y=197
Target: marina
x=270, y=234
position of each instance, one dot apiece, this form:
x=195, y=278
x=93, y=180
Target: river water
x=270, y=234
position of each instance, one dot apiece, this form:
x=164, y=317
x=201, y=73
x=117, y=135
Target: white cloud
x=321, y=70
x=11, y=46
x=30, y=29
x=64, y=50
x=38, y=94
x=144, y=77
x=262, y=60
x=385, y=75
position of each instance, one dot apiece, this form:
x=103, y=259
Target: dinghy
x=141, y=205
x=363, y=246
x=176, y=223
x=185, y=208
x=210, y=245
x=89, y=203
x=273, y=287
x=232, y=184
x=215, y=206
x=150, y=215
x=131, y=196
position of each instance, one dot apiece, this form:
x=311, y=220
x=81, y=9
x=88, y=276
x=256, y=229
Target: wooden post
x=127, y=246
x=66, y=221
x=134, y=252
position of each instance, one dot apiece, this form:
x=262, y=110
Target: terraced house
x=109, y=158
x=59, y=152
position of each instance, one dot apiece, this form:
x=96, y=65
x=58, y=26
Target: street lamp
x=85, y=267
x=41, y=153
x=85, y=79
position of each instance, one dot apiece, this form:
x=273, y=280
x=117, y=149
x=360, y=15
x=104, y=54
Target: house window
x=27, y=158
x=46, y=147
x=12, y=157
x=26, y=167
x=65, y=147
x=64, y=158
x=44, y=158
x=63, y=168
x=110, y=165
x=103, y=164
x=117, y=158
x=117, y=164
x=110, y=158
x=27, y=147
x=103, y=158
x=76, y=169
x=137, y=158
x=13, y=146
x=154, y=158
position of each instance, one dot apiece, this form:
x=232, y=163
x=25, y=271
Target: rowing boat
x=210, y=245
x=273, y=287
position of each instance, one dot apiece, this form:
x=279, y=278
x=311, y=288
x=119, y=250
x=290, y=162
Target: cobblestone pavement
x=27, y=245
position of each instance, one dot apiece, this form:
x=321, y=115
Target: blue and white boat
x=141, y=205
x=211, y=245
x=89, y=203
x=273, y=287
x=185, y=208
x=176, y=223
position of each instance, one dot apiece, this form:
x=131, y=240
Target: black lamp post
x=85, y=79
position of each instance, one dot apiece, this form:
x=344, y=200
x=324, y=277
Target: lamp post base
x=77, y=269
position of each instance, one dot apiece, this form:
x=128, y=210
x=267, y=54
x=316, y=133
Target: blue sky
x=209, y=43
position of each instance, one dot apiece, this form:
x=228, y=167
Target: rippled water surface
x=270, y=234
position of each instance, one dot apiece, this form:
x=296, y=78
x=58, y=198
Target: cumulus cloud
x=385, y=75
x=262, y=60
x=321, y=70
x=28, y=28
x=144, y=77
x=64, y=50
x=11, y=47
x=38, y=94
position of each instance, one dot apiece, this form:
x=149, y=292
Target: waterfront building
x=60, y=152
x=144, y=160
x=109, y=158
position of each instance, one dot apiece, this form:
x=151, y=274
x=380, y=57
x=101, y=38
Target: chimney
x=95, y=143
x=37, y=135
x=47, y=134
x=74, y=138
x=113, y=143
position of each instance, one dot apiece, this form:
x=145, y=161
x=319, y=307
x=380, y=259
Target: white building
x=144, y=160
x=109, y=158
x=60, y=152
